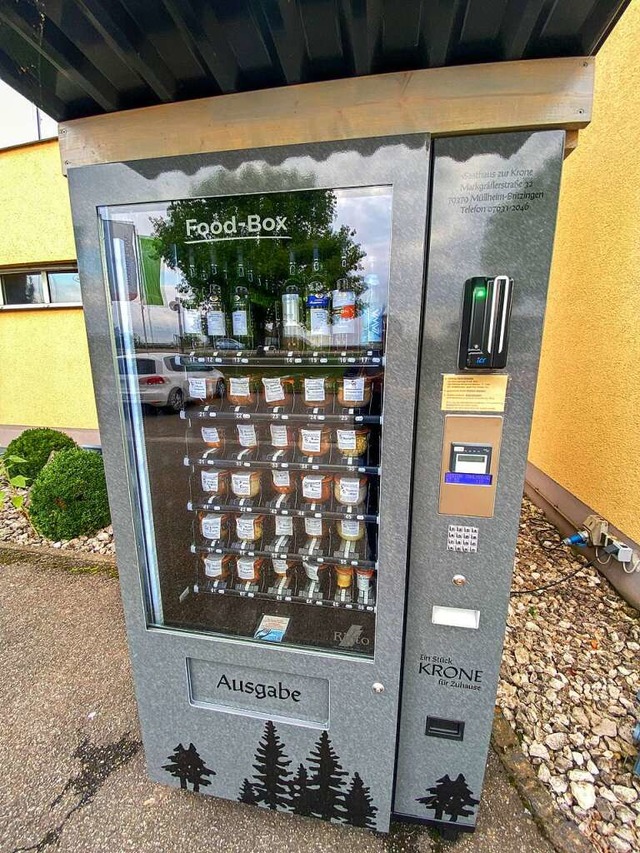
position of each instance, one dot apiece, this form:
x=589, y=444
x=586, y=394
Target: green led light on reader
x=480, y=293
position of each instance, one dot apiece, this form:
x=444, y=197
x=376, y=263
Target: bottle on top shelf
x=242, y=326
x=318, y=306
x=216, y=318
x=292, y=319
x=372, y=310
x=191, y=315
x=344, y=332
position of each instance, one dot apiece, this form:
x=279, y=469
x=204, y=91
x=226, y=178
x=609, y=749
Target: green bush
x=69, y=496
x=35, y=447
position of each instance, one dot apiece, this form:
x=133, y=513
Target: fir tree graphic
x=450, y=797
x=358, y=803
x=326, y=782
x=247, y=794
x=270, y=784
x=301, y=796
x=188, y=767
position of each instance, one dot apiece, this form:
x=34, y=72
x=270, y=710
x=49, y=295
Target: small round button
x=377, y=687
x=459, y=580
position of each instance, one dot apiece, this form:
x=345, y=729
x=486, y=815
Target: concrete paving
x=73, y=776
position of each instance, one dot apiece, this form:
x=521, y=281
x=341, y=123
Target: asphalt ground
x=72, y=774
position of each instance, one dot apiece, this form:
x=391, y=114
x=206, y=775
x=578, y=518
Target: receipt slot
x=486, y=314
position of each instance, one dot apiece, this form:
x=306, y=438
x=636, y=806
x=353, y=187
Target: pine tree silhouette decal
x=450, y=797
x=188, y=767
x=270, y=784
x=326, y=782
x=358, y=803
x=301, y=796
x=247, y=794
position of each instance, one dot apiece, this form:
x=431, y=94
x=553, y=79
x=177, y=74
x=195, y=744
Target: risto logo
x=253, y=224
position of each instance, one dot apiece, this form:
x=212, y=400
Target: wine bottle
x=214, y=307
x=292, y=329
x=318, y=306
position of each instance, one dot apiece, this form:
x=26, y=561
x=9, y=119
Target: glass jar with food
x=246, y=484
x=314, y=440
x=354, y=392
x=214, y=482
x=281, y=568
x=217, y=567
x=213, y=525
x=317, y=392
x=344, y=577
x=283, y=481
x=241, y=390
x=283, y=528
x=213, y=436
x=249, y=527
x=352, y=442
x=316, y=488
x=278, y=391
x=350, y=491
x=350, y=530
x=249, y=569
x=363, y=579
x=312, y=570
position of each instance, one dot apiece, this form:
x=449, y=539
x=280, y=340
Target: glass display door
x=254, y=354
x=251, y=335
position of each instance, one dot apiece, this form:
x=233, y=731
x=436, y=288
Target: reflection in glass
x=22, y=289
x=64, y=287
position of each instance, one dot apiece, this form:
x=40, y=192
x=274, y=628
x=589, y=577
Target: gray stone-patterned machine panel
x=176, y=671
x=493, y=212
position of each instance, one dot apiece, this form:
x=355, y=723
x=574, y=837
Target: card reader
x=486, y=313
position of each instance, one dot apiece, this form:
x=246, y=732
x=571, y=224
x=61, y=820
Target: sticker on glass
x=210, y=526
x=314, y=390
x=198, y=388
x=273, y=390
x=241, y=484
x=284, y=525
x=313, y=526
x=311, y=440
x=239, y=386
x=213, y=567
x=353, y=389
x=279, y=436
x=245, y=527
x=246, y=569
x=349, y=490
x=312, y=487
x=216, y=324
x=209, y=481
x=247, y=435
x=239, y=321
x=281, y=478
x=346, y=439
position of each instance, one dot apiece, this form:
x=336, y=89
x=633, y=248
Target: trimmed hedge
x=69, y=496
x=35, y=446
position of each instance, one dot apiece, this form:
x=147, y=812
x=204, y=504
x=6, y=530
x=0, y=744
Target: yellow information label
x=474, y=392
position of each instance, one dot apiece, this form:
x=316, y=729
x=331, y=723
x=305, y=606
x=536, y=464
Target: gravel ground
x=570, y=673
x=14, y=527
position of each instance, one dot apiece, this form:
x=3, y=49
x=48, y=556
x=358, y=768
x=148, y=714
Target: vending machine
x=315, y=368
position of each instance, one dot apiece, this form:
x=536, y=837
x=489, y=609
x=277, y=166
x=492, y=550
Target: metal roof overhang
x=80, y=58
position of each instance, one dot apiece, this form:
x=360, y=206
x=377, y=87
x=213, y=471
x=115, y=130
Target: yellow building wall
x=35, y=215
x=586, y=428
x=45, y=378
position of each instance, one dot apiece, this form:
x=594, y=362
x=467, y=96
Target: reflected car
x=163, y=382
x=228, y=343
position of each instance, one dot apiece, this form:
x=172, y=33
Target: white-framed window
x=41, y=287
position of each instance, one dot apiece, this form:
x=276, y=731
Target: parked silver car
x=163, y=382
